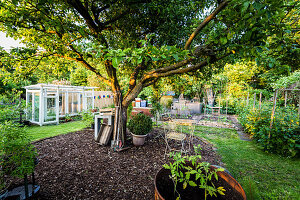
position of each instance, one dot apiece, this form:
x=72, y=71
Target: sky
x=8, y=42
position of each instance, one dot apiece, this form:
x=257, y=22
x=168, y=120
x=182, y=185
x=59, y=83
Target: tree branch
x=116, y=18
x=205, y=22
x=85, y=14
x=133, y=76
x=178, y=70
x=171, y=67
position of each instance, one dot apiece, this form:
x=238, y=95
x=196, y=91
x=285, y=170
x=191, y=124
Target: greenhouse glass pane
x=81, y=102
x=75, y=103
x=36, y=111
x=50, y=111
x=62, y=100
x=89, y=102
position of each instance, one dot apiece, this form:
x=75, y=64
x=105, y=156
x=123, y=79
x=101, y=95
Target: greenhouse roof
x=63, y=87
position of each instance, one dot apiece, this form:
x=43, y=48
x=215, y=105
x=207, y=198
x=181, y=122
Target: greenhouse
x=46, y=103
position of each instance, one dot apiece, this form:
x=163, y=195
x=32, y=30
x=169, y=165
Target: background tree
x=113, y=36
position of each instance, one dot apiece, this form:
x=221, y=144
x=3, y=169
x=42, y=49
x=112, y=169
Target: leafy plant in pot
x=17, y=153
x=189, y=178
x=140, y=125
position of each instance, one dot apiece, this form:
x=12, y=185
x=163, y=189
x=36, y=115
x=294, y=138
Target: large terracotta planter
x=162, y=177
x=138, y=140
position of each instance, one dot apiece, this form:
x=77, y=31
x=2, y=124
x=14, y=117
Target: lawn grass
x=40, y=132
x=262, y=175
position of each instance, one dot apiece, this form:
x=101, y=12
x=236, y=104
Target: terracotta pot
x=164, y=174
x=138, y=140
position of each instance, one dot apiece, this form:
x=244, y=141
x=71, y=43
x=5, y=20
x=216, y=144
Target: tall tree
x=129, y=38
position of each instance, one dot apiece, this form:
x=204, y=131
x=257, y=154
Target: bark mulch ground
x=74, y=166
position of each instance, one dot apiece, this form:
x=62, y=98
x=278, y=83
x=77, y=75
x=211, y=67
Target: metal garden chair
x=174, y=135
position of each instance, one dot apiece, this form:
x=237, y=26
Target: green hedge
x=284, y=136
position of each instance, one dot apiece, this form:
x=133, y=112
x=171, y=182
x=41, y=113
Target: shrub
x=140, y=124
x=10, y=108
x=17, y=153
x=283, y=138
x=88, y=117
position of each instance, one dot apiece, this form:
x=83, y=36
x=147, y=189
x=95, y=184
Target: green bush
x=10, y=108
x=88, y=117
x=283, y=138
x=17, y=154
x=140, y=124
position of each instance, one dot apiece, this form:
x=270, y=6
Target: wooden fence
x=103, y=99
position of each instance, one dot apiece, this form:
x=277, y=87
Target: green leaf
x=166, y=166
x=140, y=60
x=184, y=184
x=187, y=176
x=223, y=40
x=176, y=57
x=192, y=183
x=216, y=176
x=115, y=62
x=258, y=5
x=181, y=174
x=245, y=6
x=15, y=2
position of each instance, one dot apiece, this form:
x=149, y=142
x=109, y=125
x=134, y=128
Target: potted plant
x=140, y=125
x=188, y=178
x=17, y=154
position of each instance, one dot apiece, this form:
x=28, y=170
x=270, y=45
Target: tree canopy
x=141, y=41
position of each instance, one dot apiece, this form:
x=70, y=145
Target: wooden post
x=273, y=111
x=285, y=98
x=115, y=133
x=254, y=98
x=260, y=95
x=42, y=106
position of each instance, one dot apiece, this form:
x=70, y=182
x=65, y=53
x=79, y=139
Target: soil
x=74, y=166
x=223, y=121
x=165, y=187
x=219, y=121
